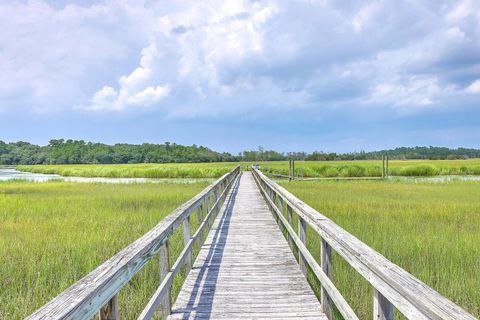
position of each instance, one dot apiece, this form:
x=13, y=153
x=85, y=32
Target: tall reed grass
x=52, y=234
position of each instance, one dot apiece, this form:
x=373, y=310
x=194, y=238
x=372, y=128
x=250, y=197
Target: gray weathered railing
x=97, y=291
x=393, y=286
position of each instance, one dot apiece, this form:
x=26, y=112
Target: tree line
x=60, y=151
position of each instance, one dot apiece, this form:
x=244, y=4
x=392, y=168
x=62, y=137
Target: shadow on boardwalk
x=214, y=257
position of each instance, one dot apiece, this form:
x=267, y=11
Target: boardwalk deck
x=245, y=269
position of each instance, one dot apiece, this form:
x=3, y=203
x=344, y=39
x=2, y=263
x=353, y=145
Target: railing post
x=289, y=219
x=382, y=308
x=326, y=263
x=164, y=261
x=280, y=207
x=274, y=198
x=110, y=310
x=386, y=166
x=186, y=238
x=383, y=166
x=199, y=222
x=215, y=198
x=207, y=209
x=302, y=234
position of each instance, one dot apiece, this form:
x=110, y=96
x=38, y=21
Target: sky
x=289, y=75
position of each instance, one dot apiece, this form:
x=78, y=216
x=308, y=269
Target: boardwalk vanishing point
x=245, y=268
x=236, y=274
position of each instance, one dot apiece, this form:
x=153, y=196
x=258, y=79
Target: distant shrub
x=331, y=172
x=475, y=170
x=420, y=170
x=373, y=171
x=352, y=171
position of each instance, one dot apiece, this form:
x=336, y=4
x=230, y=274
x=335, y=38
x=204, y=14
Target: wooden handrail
x=393, y=286
x=99, y=288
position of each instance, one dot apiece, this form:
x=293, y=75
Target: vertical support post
x=213, y=209
x=289, y=219
x=110, y=310
x=217, y=197
x=280, y=207
x=302, y=234
x=207, y=210
x=164, y=261
x=383, y=166
x=275, y=204
x=186, y=238
x=218, y=192
x=290, y=170
x=293, y=169
x=199, y=222
x=326, y=263
x=382, y=308
x=386, y=169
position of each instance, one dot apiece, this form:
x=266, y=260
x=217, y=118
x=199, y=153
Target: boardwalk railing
x=97, y=291
x=393, y=286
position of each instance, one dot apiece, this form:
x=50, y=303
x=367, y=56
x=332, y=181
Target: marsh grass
x=368, y=168
x=373, y=168
x=52, y=234
x=430, y=230
x=156, y=171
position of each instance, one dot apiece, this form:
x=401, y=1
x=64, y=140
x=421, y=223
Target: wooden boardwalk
x=245, y=269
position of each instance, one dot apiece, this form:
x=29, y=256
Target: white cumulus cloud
x=208, y=58
x=474, y=87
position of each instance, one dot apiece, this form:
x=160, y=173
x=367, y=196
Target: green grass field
x=52, y=234
x=370, y=168
x=432, y=230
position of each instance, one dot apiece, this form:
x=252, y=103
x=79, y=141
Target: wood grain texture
x=410, y=296
x=245, y=269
